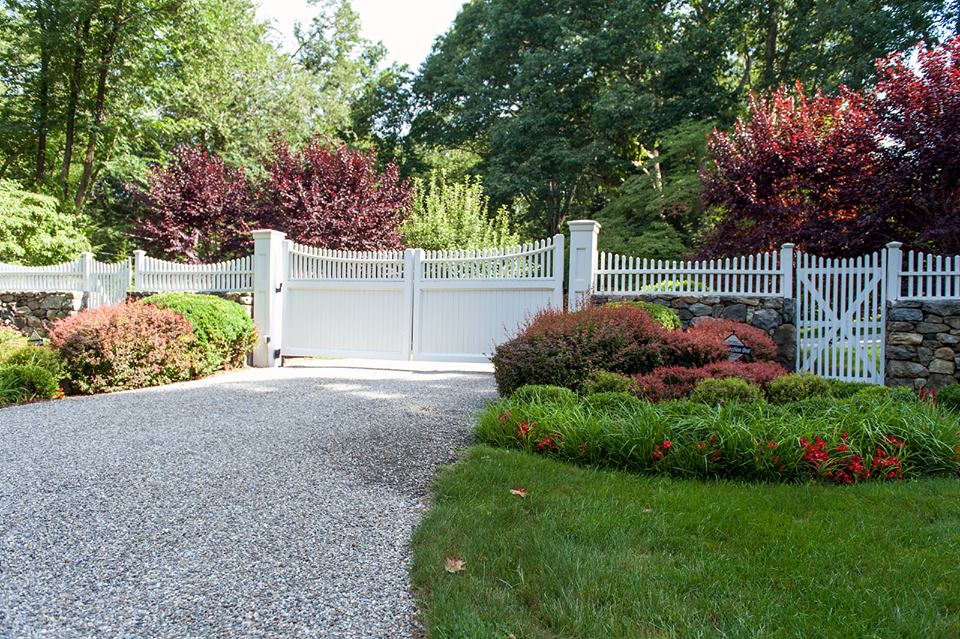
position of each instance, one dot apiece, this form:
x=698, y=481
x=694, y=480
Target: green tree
x=33, y=231
x=455, y=215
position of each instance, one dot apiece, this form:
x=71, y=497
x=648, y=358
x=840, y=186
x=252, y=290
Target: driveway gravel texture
x=261, y=503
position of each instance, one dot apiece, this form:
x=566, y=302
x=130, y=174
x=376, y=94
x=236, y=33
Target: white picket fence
x=929, y=277
x=103, y=283
x=760, y=275
x=156, y=275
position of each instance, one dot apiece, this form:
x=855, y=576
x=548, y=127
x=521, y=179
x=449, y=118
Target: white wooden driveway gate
x=437, y=305
x=840, y=310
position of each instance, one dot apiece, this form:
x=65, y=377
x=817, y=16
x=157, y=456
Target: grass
x=606, y=554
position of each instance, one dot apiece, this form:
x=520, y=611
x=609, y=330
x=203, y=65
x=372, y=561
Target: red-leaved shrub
x=673, y=382
x=562, y=349
x=757, y=339
x=692, y=348
x=125, y=346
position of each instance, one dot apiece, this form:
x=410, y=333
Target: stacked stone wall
x=923, y=344
x=29, y=312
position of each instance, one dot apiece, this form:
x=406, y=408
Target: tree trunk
x=76, y=75
x=99, y=106
x=43, y=93
x=770, y=47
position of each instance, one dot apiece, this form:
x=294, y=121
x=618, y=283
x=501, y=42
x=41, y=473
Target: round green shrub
x=949, y=397
x=796, y=387
x=26, y=383
x=43, y=356
x=716, y=392
x=663, y=315
x=542, y=394
x=223, y=331
x=873, y=390
x=607, y=382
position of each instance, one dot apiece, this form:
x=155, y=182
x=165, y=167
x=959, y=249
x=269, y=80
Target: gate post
x=269, y=268
x=583, y=261
x=894, y=264
x=138, y=268
x=786, y=266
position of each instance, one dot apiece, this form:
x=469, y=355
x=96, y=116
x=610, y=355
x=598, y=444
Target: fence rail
x=153, y=274
x=760, y=275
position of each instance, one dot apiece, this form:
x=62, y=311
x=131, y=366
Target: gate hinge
x=276, y=354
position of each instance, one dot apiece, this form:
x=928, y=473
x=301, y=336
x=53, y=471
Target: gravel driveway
x=263, y=503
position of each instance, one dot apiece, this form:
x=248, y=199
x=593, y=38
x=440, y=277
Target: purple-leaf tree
x=195, y=209
x=334, y=198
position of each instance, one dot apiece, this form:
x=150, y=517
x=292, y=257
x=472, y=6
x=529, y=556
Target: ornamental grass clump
x=125, y=346
x=823, y=439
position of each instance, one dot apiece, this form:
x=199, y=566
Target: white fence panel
x=840, y=317
x=58, y=277
x=347, y=304
x=109, y=283
x=467, y=302
x=760, y=275
x=156, y=275
x=929, y=277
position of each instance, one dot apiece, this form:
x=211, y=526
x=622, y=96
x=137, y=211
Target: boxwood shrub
x=223, y=332
x=26, y=383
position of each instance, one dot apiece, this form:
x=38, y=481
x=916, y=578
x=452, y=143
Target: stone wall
x=775, y=315
x=923, y=344
x=29, y=312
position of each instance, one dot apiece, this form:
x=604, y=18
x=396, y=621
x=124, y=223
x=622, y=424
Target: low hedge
x=860, y=438
x=126, y=346
x=663, y=315
x=26, y=383
x=223, y=332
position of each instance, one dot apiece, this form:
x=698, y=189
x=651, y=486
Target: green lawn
x=594, y=554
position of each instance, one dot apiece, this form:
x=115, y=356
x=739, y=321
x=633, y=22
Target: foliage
x=918, y=98
x=841, y=174
x=40, y=356
x=797, y=387
x=607, y=382
x=126, y=346
x=562, y=349
x=333, y=198
x=223, y=334
x=540, y=393
x=10, y=341
x=762, y=347
x=195, y=209
x=949, y=397
x=663, y=315
x=455, y=215
x=800, y=168
x=574, y=557
x=26, y=383
x=738, y=440
x=561, y=99
x=33, y=232
x=674, y=382
x=842, y=389
x=691, y=348
x=719, y=391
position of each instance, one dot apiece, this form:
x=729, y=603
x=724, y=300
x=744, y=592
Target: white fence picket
x=155, y=275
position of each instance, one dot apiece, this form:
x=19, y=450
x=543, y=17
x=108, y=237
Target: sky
x=407, y=27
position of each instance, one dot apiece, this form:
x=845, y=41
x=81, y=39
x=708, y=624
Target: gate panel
x=467, y=302
x=840, y=325
x=347, y=304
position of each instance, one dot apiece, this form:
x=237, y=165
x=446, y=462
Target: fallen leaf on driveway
x=519, y=491
x=455, y=565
